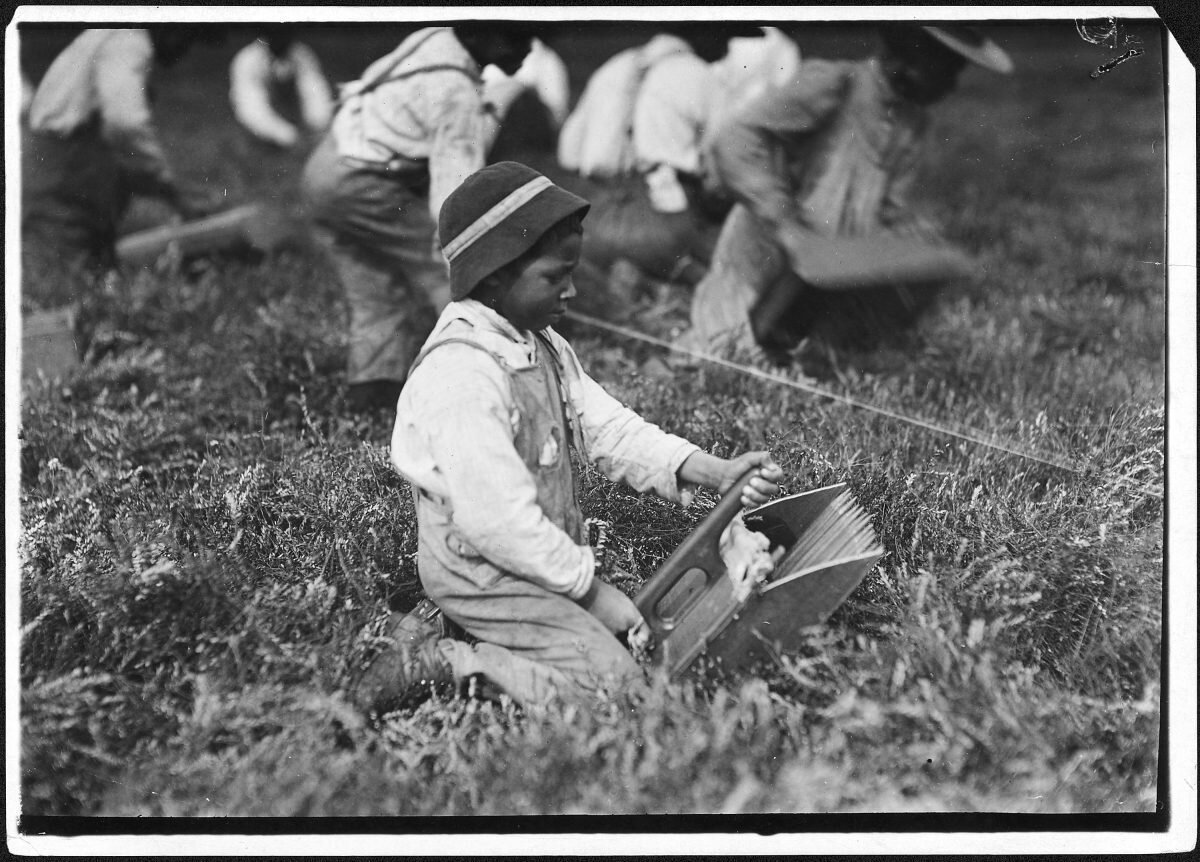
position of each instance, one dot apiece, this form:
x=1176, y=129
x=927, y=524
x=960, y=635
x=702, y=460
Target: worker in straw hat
x=819, y=169
x=490, y=424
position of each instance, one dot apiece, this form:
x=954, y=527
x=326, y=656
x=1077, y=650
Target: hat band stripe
x=490, y=219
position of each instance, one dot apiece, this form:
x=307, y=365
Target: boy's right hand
x=612, y=607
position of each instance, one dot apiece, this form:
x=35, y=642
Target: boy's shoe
x=415, y=624
x=406, y=665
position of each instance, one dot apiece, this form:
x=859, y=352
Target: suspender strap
x=574, y=433
x=384, y=76
x=570, y=420
x=453, y=340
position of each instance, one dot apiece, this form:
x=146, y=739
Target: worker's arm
x=627, y=448
x=499, y=93
x=250, y=97
x=719, y=474
x=544, y=72
x=316, y=96
x=122, y=75
x=623, y=446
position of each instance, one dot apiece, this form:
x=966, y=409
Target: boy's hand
x=612, y=607
x=762, y=487
x=700, y=468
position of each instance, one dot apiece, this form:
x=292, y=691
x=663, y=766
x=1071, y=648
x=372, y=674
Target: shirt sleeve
x=670, y=113
x=122, y=74
x=624, y=446
x=492, y=494
x=250, y=97
x=546, y=73
x=746, y=150
x=460, y=134
x=316, y=95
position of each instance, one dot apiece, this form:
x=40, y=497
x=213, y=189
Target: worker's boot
x=402, y=662
x=775, y=322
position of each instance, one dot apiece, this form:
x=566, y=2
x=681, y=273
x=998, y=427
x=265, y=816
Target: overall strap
x=570, y=418
x=429, y=348
x=544, y=347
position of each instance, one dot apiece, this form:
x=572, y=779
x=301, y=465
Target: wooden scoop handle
x=700, y=550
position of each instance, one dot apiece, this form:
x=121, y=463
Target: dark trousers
x=73, y=198
x=376, y=229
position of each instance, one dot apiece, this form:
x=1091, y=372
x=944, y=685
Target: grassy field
x=204, y=531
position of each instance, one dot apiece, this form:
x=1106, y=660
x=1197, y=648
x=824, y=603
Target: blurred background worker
x=682, y=94
x=92, y=146
x=275, y=77
x=751, y=65
x=541, y=109
x=819, y=169
x=405, y=135
x=636, y=134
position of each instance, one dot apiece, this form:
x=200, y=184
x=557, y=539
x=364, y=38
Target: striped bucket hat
x=495, y=216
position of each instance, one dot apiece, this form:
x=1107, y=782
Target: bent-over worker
x=407, y=132
x=820, y=169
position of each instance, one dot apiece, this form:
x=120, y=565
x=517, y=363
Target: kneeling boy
x=487, y=421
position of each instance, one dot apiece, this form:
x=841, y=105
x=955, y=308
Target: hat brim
x=514, y=236
x=987, y=53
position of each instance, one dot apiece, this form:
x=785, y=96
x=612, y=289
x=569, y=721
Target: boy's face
x=539, y=296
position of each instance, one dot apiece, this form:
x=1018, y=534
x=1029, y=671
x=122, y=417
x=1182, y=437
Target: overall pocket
x=446, y=559
x=467, y=562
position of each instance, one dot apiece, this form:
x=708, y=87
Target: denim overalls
x=534, y=643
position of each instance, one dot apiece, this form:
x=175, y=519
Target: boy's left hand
x=762, y=487
x=612, y=607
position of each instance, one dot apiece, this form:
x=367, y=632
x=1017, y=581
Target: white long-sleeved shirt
x=682, y=96
x=421, y=105
x=255, y=70
x=104, y=75
x=455, y=426
x=597, y=138
x=671, y=112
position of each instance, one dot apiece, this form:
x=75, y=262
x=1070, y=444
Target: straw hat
x=972, y=44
